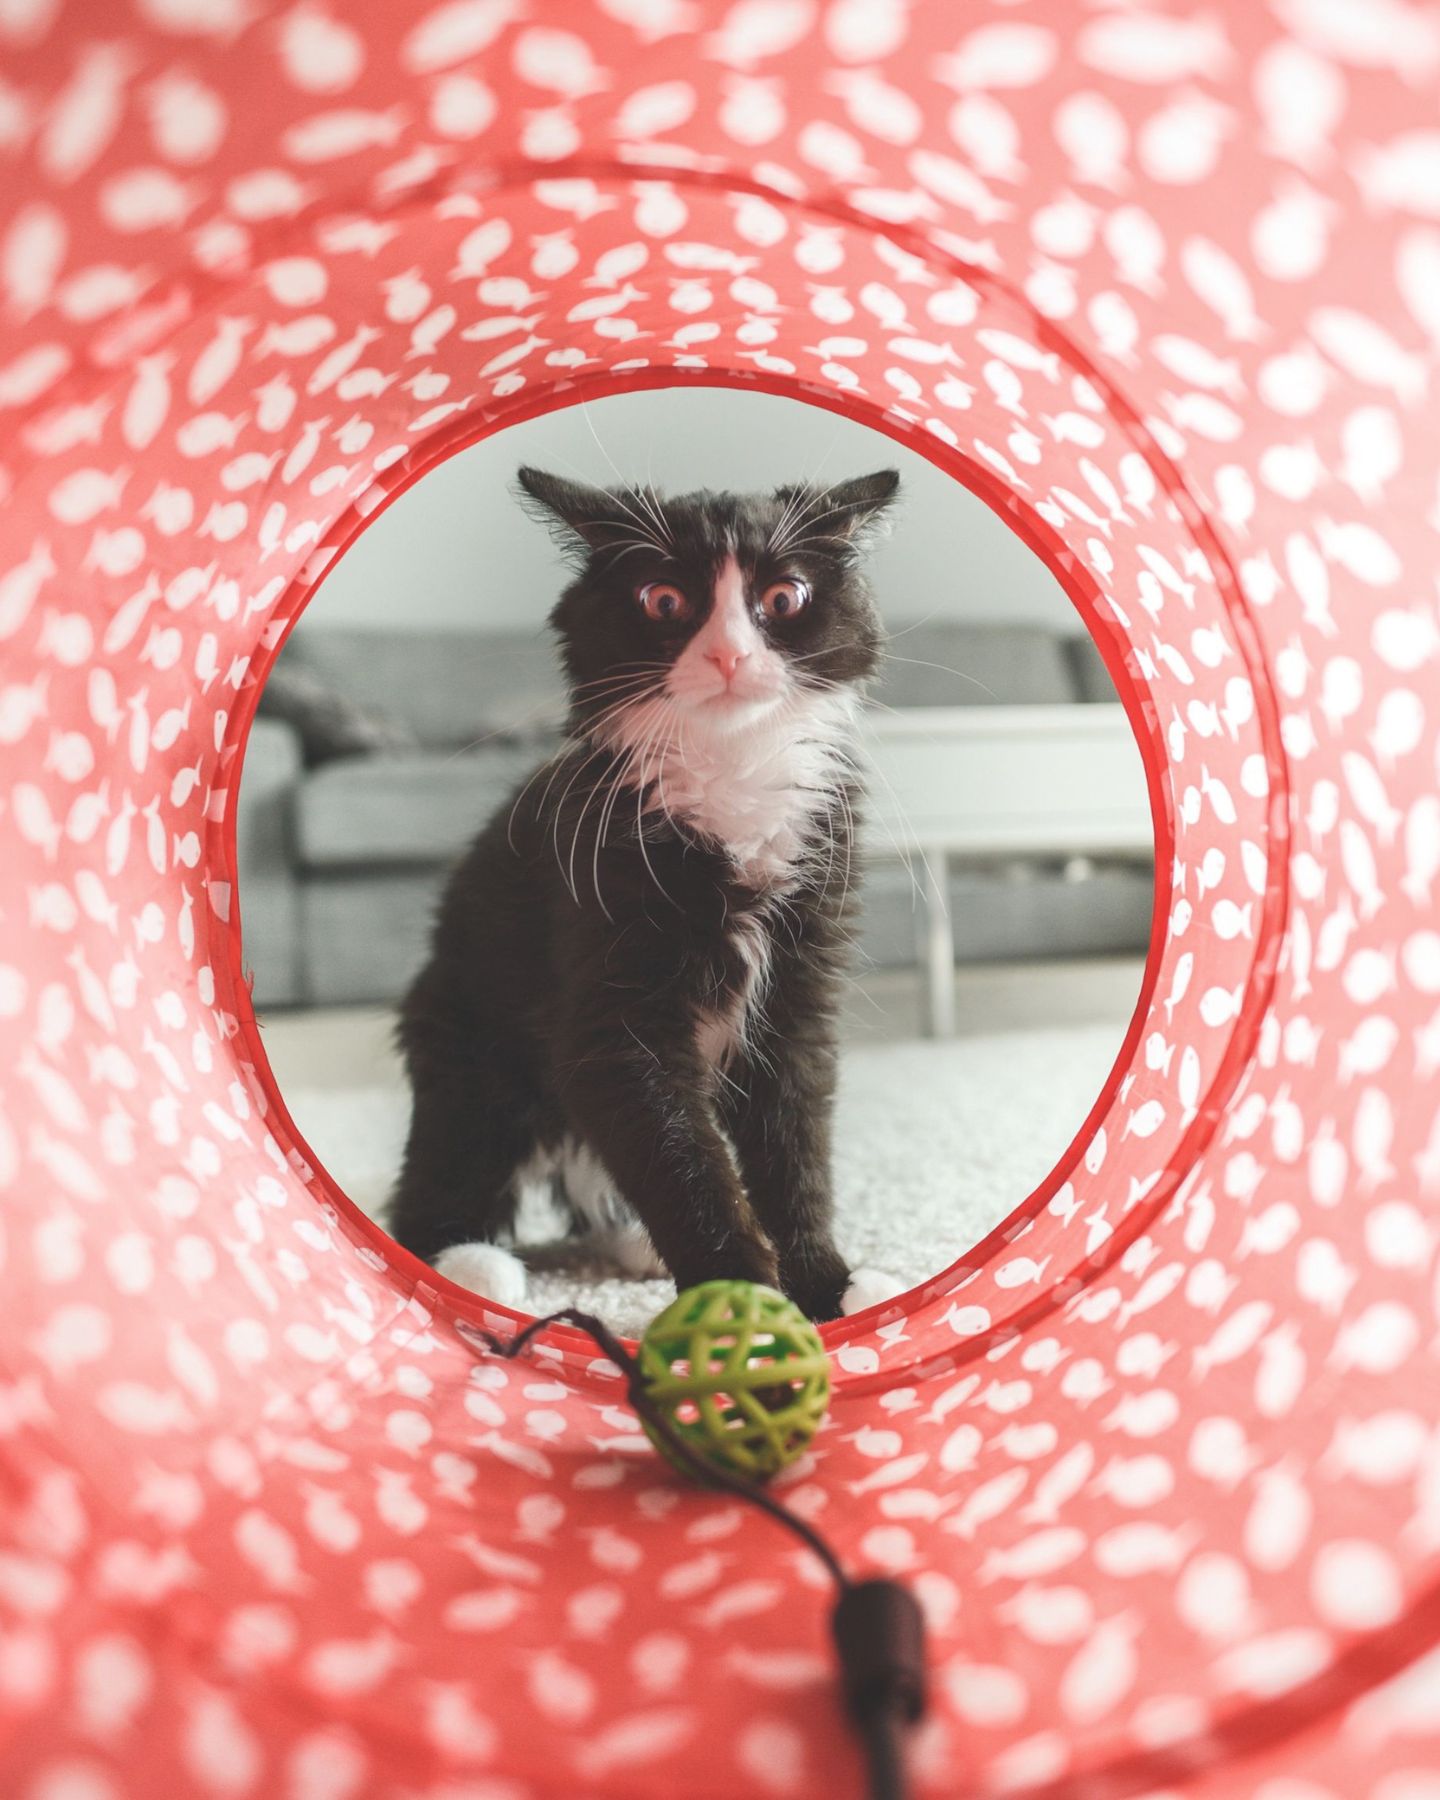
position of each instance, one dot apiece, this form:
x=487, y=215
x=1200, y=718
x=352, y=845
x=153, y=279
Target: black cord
x=885, y=1756
x=880, y=1636
x=877, y=1625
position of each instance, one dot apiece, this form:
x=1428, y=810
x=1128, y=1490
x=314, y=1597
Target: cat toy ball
x=740, y=1376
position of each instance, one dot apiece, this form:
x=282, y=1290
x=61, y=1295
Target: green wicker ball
x=740, y=1374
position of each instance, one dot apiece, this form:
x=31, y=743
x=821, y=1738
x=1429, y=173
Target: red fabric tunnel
x=1159, y=1457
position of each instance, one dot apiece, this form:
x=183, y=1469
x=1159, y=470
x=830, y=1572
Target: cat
x=634, y=973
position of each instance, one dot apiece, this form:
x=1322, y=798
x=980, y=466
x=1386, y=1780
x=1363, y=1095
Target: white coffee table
x=980, y=784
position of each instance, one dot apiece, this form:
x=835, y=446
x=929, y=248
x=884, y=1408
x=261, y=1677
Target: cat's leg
x=636, y=1093
x=779, y=1101
x=457, y=1191
x=780, y=1106
x=780, y=1122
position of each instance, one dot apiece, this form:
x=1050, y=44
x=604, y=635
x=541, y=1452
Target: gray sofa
x=341, y=860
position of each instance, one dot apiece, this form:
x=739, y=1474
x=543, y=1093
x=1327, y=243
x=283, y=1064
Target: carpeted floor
x=936, y=1142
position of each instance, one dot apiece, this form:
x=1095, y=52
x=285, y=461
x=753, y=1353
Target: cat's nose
x=727, y=658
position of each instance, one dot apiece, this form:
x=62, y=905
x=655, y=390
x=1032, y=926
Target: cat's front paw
x=485, y=1269
x=817, y=1285
x=869, y=1287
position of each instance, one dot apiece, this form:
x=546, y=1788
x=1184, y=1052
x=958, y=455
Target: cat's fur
x=634, y=973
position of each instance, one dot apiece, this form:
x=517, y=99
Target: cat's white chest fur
x=759, y=795
x=766, y=791
x=758, y=792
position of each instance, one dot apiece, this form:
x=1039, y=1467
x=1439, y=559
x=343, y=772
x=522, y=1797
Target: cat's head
x=723, y=609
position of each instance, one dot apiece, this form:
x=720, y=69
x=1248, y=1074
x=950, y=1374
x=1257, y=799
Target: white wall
x=457, y=550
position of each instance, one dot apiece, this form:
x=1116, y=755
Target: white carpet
x=936, y=1142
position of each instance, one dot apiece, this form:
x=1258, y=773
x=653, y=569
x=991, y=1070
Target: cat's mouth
x=735, y=704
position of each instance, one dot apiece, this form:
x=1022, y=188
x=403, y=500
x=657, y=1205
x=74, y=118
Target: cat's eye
x=664, y=602
x=783, y=599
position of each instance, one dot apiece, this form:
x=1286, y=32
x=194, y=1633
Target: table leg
x=939, y=948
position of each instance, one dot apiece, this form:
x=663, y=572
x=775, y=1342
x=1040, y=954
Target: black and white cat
x=634, y=973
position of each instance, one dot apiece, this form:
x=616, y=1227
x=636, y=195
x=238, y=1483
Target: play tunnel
x=1159, y=1457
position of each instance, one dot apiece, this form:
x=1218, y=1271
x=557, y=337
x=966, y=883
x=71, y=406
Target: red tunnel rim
x=420, y=1280
x=463, y=434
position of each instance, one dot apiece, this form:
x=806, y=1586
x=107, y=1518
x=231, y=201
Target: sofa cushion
x=1092, y=678
x=366, y=934
x=449, y=687
x=405, y=810
x=941, y=662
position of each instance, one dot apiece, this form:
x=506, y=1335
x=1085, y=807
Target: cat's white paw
x=869, y=1287
x=485, y=1269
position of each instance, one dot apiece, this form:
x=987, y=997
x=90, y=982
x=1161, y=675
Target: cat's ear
x=849, y=516
x=860, y=507
x=576, y=516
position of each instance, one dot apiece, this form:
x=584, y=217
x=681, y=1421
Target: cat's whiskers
x=873, y=767
x=598, y=749
x=624, y=691
x=651, y=526
x=557, y=763
x=644, y=721
x=675, y=723
x=801, y=496
x=813, y=539
x=842, y=795
x=650, y=501
x=552, y=766
x=622, y=694
x=632, y=759
x=617, y=552
x=724, y=1075
x=920, y=662
x=921, y=895
x=805, y=491
x=606, y=809
x=619, y=668
x=672, y=743
x=652, y=785
x=536, y=711
x=622, y=771
x=809, y=521
x=917, y=662
x=624, y=486
x=628, y=755
x=848, y=755
x=596, y=788
x=650, y=520
x=507, y=730
x=643, y=539
x=790, y=543
x=809, y=497
x=830, y=840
